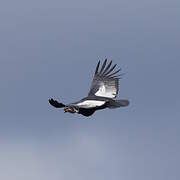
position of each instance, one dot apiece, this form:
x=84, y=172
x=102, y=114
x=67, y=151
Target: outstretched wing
x=88, y=104
x=56, y=104
x=106, y=81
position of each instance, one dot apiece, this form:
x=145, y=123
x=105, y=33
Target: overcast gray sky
x=50, y=49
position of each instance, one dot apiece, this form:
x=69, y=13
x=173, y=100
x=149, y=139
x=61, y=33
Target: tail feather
x=118, y=103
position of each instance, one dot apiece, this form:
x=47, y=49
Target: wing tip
x=97, y=67
x=105, y=69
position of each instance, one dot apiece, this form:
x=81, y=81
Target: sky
x=49, y=49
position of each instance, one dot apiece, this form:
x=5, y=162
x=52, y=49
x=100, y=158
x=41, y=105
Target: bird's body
x=102, y=94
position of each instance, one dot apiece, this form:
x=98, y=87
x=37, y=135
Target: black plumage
x=103, y=91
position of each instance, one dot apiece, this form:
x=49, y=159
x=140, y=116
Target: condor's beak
x=65, y=110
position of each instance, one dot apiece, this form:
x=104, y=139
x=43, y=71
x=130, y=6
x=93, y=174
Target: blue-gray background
x=50, y=49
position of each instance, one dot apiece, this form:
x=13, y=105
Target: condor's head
x=71, y=109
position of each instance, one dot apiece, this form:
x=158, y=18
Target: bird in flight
x=104, y=89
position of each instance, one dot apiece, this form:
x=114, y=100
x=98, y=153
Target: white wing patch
x=107, y=91
x=90, y=103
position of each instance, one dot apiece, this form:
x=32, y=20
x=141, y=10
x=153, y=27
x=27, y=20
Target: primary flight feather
x=104, y=89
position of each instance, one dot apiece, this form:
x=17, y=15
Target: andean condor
x=102, y=94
